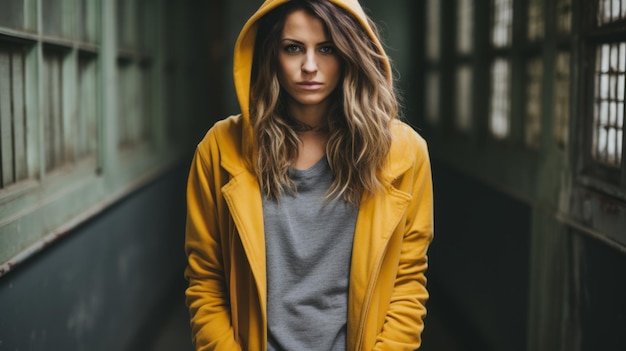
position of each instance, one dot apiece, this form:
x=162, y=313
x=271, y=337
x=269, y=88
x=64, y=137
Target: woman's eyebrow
x=327, y=42
x=293, y=41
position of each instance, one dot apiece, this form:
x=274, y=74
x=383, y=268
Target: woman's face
x=309, y=67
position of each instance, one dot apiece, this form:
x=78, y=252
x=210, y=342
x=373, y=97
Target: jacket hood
x=244, y=53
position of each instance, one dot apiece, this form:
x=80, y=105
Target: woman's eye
x=327, y=50
x=292, y=48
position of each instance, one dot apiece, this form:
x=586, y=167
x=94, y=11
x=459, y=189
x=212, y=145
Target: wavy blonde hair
x=359, y=120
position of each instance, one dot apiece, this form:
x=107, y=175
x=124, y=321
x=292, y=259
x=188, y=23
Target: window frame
x=593, y=173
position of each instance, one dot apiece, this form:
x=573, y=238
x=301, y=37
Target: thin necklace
x=301, y=127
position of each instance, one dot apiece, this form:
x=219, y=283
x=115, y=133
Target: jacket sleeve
x=404, y=319
x=207, y=295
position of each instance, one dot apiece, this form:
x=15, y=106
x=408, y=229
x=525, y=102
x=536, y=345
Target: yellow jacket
x=226, y=248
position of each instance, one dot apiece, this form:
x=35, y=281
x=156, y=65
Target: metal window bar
x=608, y=119
x=502, y=27
x=13, y=128
x=611, y=11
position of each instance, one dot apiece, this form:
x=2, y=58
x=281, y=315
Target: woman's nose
x=309, y=65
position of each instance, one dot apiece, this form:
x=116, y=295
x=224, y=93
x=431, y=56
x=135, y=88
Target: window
x=13, y=121
x=502, y=27
x=535, y=31
x=562, y=82
x=506, y=52
x=499, y=121
x=81, y=122
x=517, y=56
x=562, y=99
x=611, y=11
x=464, y=71
x=604, y=102
x=501, y=41
x=135, y=71
x=13, y=14
x=534, y=76
x=608, y=115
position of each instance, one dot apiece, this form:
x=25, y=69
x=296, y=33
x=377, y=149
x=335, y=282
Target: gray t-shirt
x=308, y=246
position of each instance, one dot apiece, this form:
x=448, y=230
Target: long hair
x=359, y=121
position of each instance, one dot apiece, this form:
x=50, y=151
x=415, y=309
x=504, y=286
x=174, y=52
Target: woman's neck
x=308, y=118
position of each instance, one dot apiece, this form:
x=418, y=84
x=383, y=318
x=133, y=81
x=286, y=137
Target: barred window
x=604, y=77
x=611, y=11
x=608, y=116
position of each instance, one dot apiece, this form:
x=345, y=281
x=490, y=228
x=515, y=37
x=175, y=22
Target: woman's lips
x=310, y=85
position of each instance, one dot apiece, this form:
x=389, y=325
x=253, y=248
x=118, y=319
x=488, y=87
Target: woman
x=310, y=213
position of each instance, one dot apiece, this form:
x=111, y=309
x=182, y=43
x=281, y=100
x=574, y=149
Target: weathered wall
x=105, y=283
